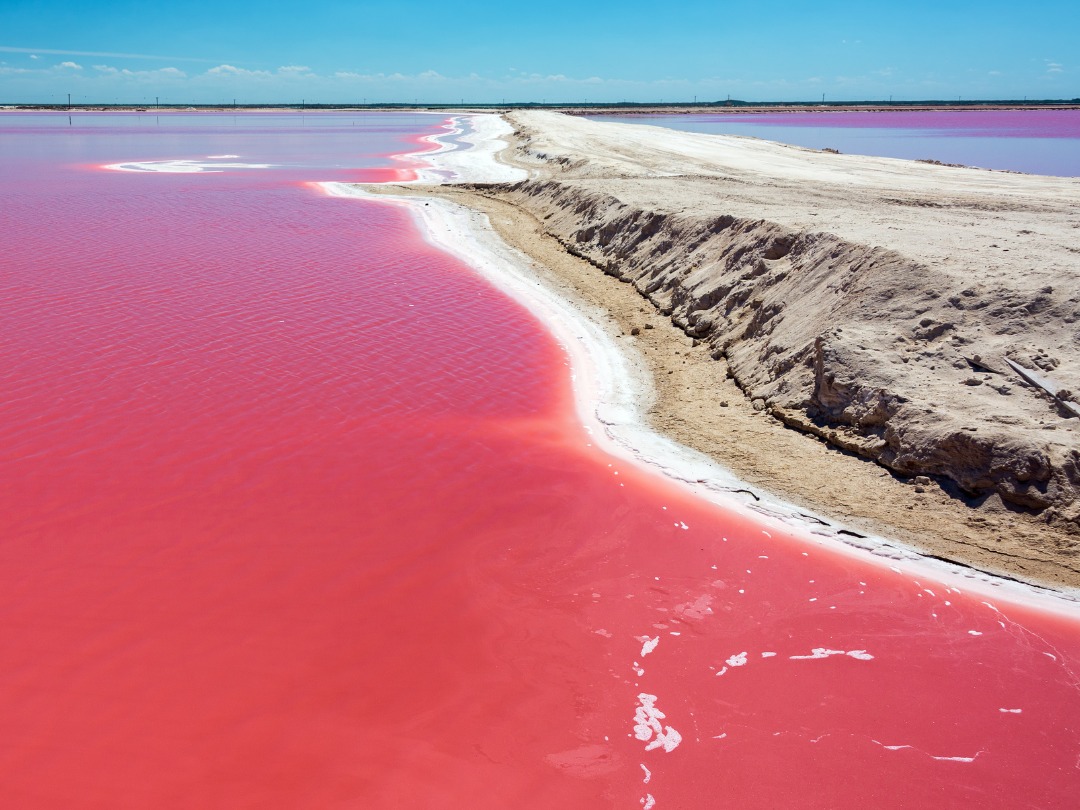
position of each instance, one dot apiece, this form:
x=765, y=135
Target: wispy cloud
x=232, y=70
x=103, y=54
x=159, y=73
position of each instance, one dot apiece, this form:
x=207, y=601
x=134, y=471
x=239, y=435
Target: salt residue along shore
x=612, y=387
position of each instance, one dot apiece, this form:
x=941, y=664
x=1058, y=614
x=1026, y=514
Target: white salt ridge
x=1011, y=711
x=931, y=756
x=474, y=160
x=648, y=803
x=647, y=726
x=737, y=660
x=183, y=166
x=648, y=774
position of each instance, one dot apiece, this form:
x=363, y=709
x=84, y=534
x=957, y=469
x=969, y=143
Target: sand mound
x=875, y=303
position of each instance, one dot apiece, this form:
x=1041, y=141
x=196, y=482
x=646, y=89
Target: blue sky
x=337, y=51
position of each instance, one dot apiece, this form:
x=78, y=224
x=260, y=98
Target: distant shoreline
x=629, y=109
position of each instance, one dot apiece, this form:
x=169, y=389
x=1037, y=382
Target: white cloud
x=1054, y=67
x=161, y=73
x=295, y=70
x=34, y=56
x=232, y=70
x=70, y=66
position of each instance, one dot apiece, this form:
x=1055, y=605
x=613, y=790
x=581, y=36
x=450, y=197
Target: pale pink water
x=1031, y=141
x=296, y=512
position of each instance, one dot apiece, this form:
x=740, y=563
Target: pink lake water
x=297, y=512
x=1029, y=141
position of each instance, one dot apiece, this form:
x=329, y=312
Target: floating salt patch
x=818, y=652
x=648, y=644
x=1010, y=711
x=766, y=534
x=721, y=672
x=737, y=660
x=648, y=803
x=824, y=652
x=974, y=633
x=720, y=736
x=648, y=774
x=602, y=632
x=768, y=655
x=647, y=726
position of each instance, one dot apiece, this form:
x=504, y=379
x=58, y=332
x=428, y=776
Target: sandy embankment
x=871, y=303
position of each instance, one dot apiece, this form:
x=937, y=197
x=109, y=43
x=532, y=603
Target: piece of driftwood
x=1046, y=385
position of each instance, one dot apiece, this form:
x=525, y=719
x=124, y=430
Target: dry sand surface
x=873, y=305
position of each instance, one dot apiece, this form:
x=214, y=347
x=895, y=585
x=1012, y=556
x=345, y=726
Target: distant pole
x=69, y=101
x=695, y=99
x=157, y=102
x=234, y=103
x=822, y=98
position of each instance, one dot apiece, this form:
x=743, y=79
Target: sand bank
x=661, y=397
x=888, y=333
